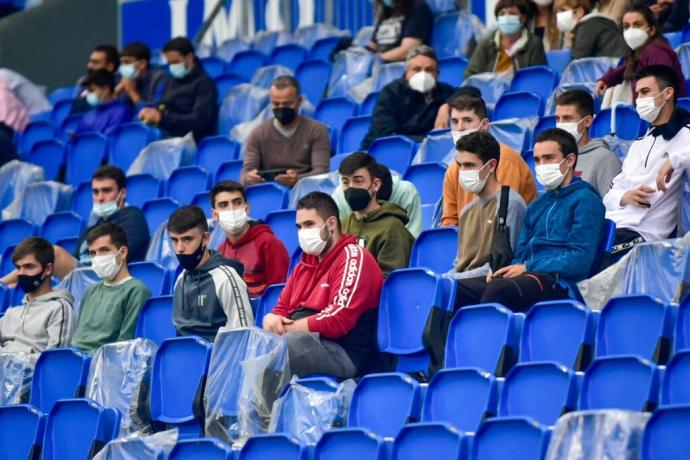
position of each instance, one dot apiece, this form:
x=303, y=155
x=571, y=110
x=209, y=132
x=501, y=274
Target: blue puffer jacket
x=561, y=232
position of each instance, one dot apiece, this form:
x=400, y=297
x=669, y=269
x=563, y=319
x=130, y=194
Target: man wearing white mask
x=643, y=201
x=250, y=242
x=328, y=309
x=109, y=309
x=596, y=163
x=408, y=105
x=559, y=237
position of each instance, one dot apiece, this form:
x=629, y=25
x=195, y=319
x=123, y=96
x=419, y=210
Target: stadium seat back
x=428, y=179
x=82, y=200
x=63, y=93
x=519, y=104
x=185, y=182
x=141, y=188
x=369, y=103
x=226, y=82
x=452, y=70
x=386, y=73
x=350, y=443
x=675, y=388
x=628, y=124
x=540, y=80
x=428, y=216
x=265, y=198
x=13, y=231
x=443, y=39
x=272, y=447
x=245, y=63
x=203, y=201
x=683, y=103
x=60, y=373
x=289, y=55
x=323, y=47
x=49, y=155
x=420, y=440
x=558, y=60
x=128, y=141
x=200, y=449
x=243, y=103
x=157, y=211
x=587, y=70
x=606, y=241
x=334, y=112
x=682, y=333
x=313, y=77
x=216, y=150
x=268, y=300
x=283, y=225
x=227, y=50
x=666, y=434
x=152, y=275
x=435, y=249
x=40, y=130
x=213, y=66
x=544, y=123
x=62, y=225
x=21, y=436
x=61, y=111
x=352, y=133
x=264, y=76
x=514, y=438
x=395, y=152
x=85, y=154
x=44, y=198
x=155, y=320
x=68, y=127
x=230, y=170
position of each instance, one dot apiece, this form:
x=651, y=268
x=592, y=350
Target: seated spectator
x=596, y=163
x=478, y=156
x=110, y=308
x=558, y=240
x=408, y=105
x=189, y=102
x=467, y=115
x=140, y=83
x=328, y=310
x=643, y=201
x=250, y=242
x=646, y=46
x=542, y=23
x=588, y=32
x=394, y=190
x=107, y=113
x=210, y=292
x=511, y=47
x=289, y=146
x=103, y=57
x=400, y=26
x=13, y=119
x=378, y=225
x=46, y=318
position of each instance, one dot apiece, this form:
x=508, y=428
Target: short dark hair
x=564, y=139
x=322, y=203
x=111, y=54
x=227, y=186
x=521, y=5
x=482, y=144
x=114, y=231
x=664, y=76
x=287, y=81
x=111, y=172
x=580, y=99
x=473, y=103
x=137, y=50
x=100, y=78
x=358, y=160
x=187, y=218
x=386, y=190
x=40, y=248
x=180, y=44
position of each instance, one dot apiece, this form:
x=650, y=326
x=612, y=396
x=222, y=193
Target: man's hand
x=664, y=176
x=638, y=197
x=252, y=177
x=511, y=271
x=442, y=117
x=288, y=179
x=129, y=87
x=276, y=323
x=599, y=89
x=489, y=276
x=150, y=116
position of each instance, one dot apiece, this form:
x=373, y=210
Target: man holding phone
x=289, y=146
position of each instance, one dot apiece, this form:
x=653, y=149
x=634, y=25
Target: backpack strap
x=503, y=205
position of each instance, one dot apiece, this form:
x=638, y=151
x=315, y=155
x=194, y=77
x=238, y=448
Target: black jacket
x=402, y=110
x=132, y=221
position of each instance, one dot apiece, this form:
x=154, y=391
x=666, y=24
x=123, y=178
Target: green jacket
x=597, y=35
x=485, y=57
x=384, y=234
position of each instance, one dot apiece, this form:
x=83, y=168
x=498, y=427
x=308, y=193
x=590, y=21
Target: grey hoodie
x=598, y=165
x=47, y=321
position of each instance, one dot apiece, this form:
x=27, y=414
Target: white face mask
x=647, y=109
x=106, y=267
x=457, y=135
x=422, y=82
x=565, y=21
x=542, y=2
x=572, y=129
x=470, y=180
x=233, y=221
x=550, y=175
x=310, y=240
x=635, y=37
x=104, y=210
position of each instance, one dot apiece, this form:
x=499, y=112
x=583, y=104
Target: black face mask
x=357, y=198
x=29, y=283
x=285, y=115
x=190, y=261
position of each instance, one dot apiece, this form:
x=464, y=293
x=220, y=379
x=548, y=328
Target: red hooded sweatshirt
x=264, y=257
x=340, y=295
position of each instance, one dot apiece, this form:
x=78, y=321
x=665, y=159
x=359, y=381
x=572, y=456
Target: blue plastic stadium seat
x=323, y=47
x=352, y=133
x=265, y=198
x=230, y=170
x=60, y=111
x=587, y=70
x=245, y=63
x=452, y=70
x=558, y=60
x=272, y=447
x=666, y=434
x=350, y=443
x=62, y=93
x=387, y=73
x=21, y=436
x=213, y=66
x=395, y=152
x=428, y=179
x=513, y=438
x=79, y=428
x=369, y=103
x=544, y=123
x=203, y=201
x=68, y=128
x=62, y=225
x=226, y=82
x=201, y=449
x=313, y=78
x=540, y=80
x=384, y=403
x=435, y=249
x=289, y=55
x=216, y=150
x=185, y=182
x=629, y=126
x=283, y=225
x=141, y=188
x=127, y=141
x=626, y=382
x=334, y=112
x=44, y=198
x=267, y=301
x=40, y=130
x=483, y=336
x=264, y=76
x=683, y=103
x=519, y=104
x=152, y=275
x=227, y=50
x=157, y=211
x=82, y=200
x=443, y=37
x=179, y=370
x=635, y=325
x=428, y=216
x=682, y=333
x=608, y=237
x=461, y=397
x=675, y=388
x=85, y=154
x=60, y=374
x=155, y=320
x=242, y=103
x=514, y=133
x=49, y=155
x=424, y=440
x=560, y=331
x=13, y=231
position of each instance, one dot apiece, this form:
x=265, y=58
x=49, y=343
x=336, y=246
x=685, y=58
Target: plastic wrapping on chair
x=619, y=147
x=660, y=269
x=587, y=70
x=42, y=199
x=154, y=447
x=77, y=282
x=218, y=235
x=550, y=108
x=514, y=132
x=120, y=377
x=600, y=434
x=351, y=67
x=15, y=176
x=441, y=6
x=684, y=214
x=263, y=77
x=326, y=183
x=227, y=50
x=469, y=30
x=241, y=131
x=305, y=413
x=161, y=249
x=363, y=36
x=248, y=369
x=492, y=86
x=161, y=158
x=265, y=41
x=242, y=103
x=684, y=57
x=436, y=148
x=386, y=73
x=16, y=371
x=308, y=35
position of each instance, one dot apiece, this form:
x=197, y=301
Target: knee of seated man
x=499, y=290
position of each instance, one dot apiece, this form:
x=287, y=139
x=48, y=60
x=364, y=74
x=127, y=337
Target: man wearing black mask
x=378, y=225
x=288, y=146
x=209, y=293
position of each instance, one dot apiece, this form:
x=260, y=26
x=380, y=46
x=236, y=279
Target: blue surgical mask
x=128, y=71
x=178, y=70
x=104, y=210
x=509, y=24
x=389, y=3
x=92, y=99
